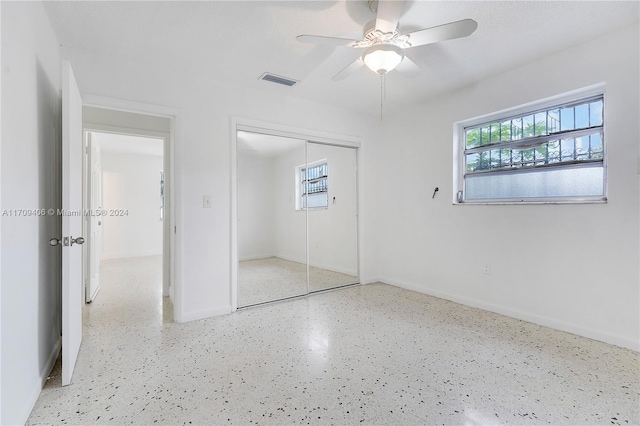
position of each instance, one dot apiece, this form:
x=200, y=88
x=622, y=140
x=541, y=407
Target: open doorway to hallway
x=128, y=261
x=126, y=196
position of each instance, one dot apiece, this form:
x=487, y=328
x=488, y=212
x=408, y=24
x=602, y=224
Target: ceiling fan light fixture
x=382, y=58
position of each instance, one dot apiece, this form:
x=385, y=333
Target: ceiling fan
x=385, y=44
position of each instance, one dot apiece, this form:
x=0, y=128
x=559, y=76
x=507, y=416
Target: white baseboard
x=193, y=316
x=334, y=269
x=123, y=255
x=369, y=280
x=290, y=259
x=579, y=330
x=318, y=265
x=256, y=257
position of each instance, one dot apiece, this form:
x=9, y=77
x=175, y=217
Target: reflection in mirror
x=332, y=220
x=271, y=230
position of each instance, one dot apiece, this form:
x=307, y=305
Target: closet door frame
x=309, y=135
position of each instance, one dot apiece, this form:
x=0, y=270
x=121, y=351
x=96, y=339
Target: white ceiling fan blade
x=444, y=32
x=334, y=41
x=350, y=69
x=389, y=12
x=408, y=68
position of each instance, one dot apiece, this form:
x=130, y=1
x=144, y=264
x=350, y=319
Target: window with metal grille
x=313, y=185
x=547, y=154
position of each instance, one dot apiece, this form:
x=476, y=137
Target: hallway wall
x=131, y=186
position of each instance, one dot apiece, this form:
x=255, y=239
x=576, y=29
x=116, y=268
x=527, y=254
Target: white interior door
x=72, y=294
x=94, y=220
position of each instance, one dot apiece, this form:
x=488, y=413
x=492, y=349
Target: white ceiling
x=236, y=41
x=126, y=144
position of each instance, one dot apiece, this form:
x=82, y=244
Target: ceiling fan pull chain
x=381, y=94
x=384, y=86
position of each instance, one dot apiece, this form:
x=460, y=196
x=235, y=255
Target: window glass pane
x=472, y=162
x=540, y=123
x=318, y=200
x=541, y=154
x=553, y=118
x=596, y=145
x=485, y=135
x=528, y=128
x=528, y=156
x=582, y=116
x=495, y=132
x=578, y=182
x=505, y=158
x=505, y=130
x=567, y=149
x=595, y=113
x=567, y=119
x=473, y=138
x=554, y=151
x=582, y=148
x=516, y=129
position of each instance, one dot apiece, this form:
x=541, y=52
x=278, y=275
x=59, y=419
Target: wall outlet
x=486, y=269
x=206, y=201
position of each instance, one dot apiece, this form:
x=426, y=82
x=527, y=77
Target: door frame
x=87, y=185
x=172, y=241
x=116, y=130
x=274, y=129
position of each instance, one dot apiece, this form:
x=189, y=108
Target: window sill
x=529, y=202
x=312, y=209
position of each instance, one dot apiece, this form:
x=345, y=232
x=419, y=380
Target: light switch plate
x=206, y=201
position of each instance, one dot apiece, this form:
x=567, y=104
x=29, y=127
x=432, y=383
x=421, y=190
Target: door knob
x=78, y=240
x=55, y=242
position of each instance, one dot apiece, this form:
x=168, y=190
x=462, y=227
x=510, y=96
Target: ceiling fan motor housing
x=372, y=36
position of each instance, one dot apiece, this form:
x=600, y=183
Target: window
x=550, y=154
x=312, y=185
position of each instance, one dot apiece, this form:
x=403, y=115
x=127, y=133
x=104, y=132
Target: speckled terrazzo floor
x=371, y=354
x=273, y=278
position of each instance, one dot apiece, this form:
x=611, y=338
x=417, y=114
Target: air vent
x=278, y=79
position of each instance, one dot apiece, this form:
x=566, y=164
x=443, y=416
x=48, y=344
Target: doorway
x=127, y=198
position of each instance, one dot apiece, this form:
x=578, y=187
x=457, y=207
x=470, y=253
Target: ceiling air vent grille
x=278, y=79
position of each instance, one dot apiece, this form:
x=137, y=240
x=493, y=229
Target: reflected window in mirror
x=312, y=185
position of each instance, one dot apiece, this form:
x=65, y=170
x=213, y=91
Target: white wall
x=578, y=271
x=256, y=204
x=30, y=162
x=131, y=182
x=203, y=161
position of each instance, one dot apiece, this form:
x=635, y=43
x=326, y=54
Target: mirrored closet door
x=272, y=246
x=332, y=216
x=297, y=217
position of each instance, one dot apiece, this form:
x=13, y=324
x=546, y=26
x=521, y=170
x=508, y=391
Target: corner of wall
x=208, y=313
